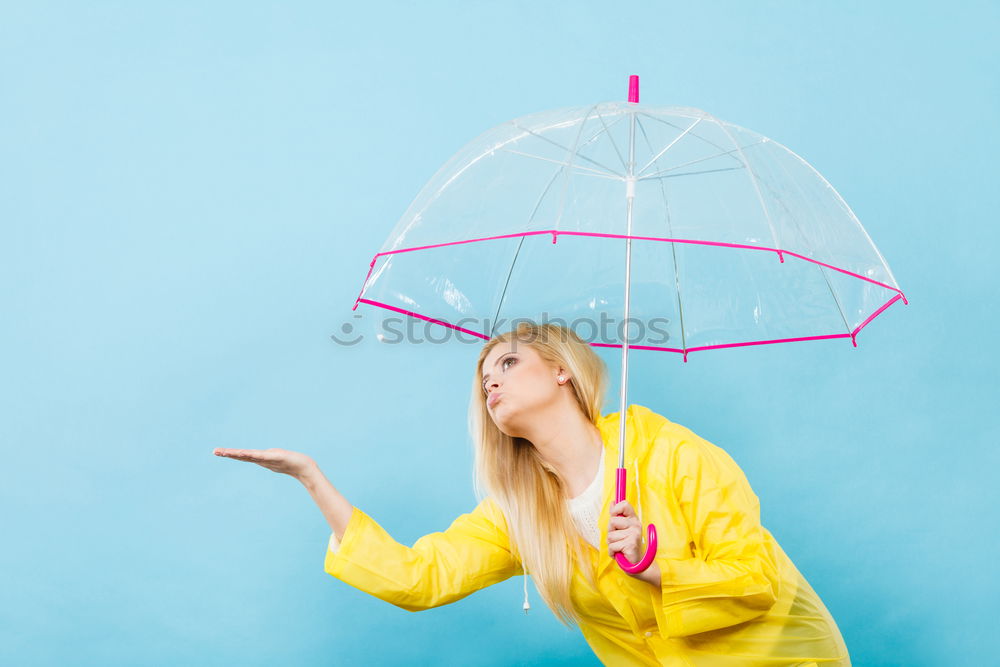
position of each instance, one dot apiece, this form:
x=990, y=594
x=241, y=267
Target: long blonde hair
x=528, y=490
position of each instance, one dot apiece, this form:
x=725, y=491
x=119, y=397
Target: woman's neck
x=572, y=445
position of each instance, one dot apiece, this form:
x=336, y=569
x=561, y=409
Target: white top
x=586, y=508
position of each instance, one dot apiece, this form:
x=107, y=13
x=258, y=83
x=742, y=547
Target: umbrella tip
x=633, y=88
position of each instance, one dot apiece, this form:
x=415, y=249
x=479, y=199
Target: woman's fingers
x=622, y=522
x=624, y=531
x=278, y=460
x=623, y=536
x=622, y=508
x=242, y=454
x=627, y=541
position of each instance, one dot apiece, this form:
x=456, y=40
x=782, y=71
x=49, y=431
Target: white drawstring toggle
x=526, y=605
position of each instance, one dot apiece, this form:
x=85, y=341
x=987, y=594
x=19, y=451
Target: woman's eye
x=503, y=364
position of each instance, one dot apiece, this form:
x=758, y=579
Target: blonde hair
x=528, y=490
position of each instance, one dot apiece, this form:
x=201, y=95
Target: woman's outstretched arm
x=440, y=568
x=332, y=504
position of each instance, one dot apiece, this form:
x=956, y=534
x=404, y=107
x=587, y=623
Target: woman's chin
x=498, y=419
x=501, y=418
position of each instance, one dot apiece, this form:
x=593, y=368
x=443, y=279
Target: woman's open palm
x=278, y=460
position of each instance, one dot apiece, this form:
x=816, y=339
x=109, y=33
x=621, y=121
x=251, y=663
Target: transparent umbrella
x=641, y=227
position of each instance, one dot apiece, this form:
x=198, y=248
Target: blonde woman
x=720, y=591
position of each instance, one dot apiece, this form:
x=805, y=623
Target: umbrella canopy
x=659, y=228
x=736, y=239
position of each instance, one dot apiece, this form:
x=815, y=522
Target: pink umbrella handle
x=647, y=558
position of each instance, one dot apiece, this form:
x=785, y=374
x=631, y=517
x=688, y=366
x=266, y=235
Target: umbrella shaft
x=629, y=195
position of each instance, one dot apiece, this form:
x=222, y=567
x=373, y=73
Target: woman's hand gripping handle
x=625, y=534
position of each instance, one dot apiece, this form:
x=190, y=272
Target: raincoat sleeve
x=440, y=568
x=731, y=575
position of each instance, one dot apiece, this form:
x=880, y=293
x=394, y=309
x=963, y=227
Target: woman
x=720, y=591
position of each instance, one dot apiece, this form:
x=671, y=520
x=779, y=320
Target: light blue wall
x=190, y=194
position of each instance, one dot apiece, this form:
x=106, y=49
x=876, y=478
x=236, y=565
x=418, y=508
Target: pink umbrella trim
x=852, y=335
x=555, y=233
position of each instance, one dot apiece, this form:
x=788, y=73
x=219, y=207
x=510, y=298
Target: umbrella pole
x=623, y=562
x=629, y=196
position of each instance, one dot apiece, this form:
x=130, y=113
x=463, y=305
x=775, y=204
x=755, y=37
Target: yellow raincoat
x=728, y=596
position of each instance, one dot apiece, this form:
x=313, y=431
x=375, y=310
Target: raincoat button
x=649, y=634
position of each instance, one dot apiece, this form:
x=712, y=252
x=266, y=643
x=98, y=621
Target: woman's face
x=518, y=385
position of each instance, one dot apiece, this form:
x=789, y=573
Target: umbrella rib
x=756, y=186
x=545, y=191
x=847, y=208
x=669, y=146
x=572, y=153
x=670, y=233
x=607, y=129
x=704, y=115
x=568, y=150
x=510, y=271
x=702, y=159
x=689, y=173
x=770, y=223
x=512, y=139
x=833, y=293
x=611, y=139
x=565, y=164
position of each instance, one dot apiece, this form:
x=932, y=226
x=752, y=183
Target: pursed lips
x=492, y=400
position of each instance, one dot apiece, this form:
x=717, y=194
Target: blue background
x=190, y=195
